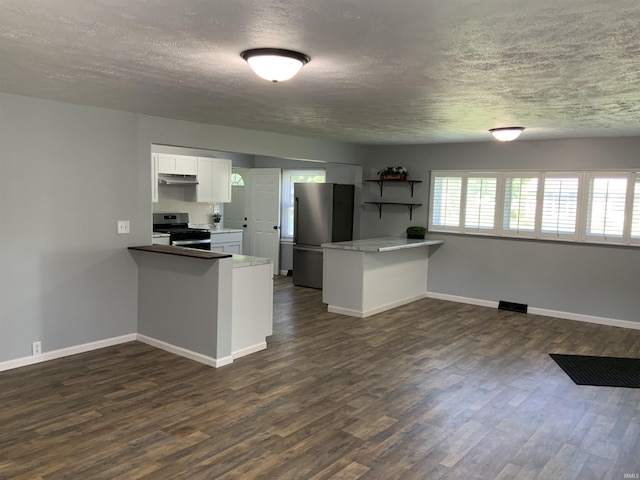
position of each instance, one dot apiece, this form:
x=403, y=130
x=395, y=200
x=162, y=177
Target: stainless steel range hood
x=173, y=179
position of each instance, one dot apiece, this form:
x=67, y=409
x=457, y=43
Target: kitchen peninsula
x=194, y=302
x=365, y=277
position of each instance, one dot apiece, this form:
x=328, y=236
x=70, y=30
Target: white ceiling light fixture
x=506, y=134
x=275, y=64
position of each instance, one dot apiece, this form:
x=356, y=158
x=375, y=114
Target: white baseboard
x=373, y=311
x=183, y=352
x=345, y=311
x=249, y=350
x=612, y=322
x=65, y=352
x=87, y=347
x=456, y=298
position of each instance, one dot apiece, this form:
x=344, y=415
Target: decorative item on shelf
x=416, y=232
x=217, y=217
x=393, y=173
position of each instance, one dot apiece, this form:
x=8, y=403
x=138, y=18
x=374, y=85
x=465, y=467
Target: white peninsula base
x=365, y=277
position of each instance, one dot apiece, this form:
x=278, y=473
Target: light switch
x=123, y=226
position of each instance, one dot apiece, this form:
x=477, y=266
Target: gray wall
x=163, y=279
x=67, y=174
x=576, y=278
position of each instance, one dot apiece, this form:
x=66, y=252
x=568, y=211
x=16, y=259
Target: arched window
x=237, y=180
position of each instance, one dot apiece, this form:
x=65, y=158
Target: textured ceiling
x=403, y=71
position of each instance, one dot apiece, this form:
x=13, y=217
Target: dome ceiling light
x=506, y=134
x=275, y=64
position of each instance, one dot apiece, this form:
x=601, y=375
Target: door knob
x=275, y=227
x=244, y=226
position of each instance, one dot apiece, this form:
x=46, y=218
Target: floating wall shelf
x=381, y=183
x=410, y=206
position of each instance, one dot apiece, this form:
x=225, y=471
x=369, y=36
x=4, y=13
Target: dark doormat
x=600, y=371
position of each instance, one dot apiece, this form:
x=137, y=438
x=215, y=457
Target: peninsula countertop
x=382, y=244
x=248, y=261
x=182, y=251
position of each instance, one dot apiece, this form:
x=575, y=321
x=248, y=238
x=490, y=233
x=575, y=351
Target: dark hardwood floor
x=432, y=390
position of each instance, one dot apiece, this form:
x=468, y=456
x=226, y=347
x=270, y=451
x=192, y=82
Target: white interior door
x=236, y=213
x=264, y=217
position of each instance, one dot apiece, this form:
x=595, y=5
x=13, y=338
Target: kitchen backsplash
x=171, y=198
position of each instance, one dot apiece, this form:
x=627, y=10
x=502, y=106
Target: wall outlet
x=36, y=348
x=123, y=226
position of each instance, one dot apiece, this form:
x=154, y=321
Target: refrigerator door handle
x=295, y=220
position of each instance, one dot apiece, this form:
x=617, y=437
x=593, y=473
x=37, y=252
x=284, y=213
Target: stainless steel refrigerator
x=323, y=213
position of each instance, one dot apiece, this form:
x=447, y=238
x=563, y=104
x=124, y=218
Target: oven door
x=201, y=244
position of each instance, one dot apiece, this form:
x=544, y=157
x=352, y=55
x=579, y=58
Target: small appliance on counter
x=180, y=234
x=323, y=213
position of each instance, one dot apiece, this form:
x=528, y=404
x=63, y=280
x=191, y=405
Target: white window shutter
x=520, y=205
x=606, y=207
x=446, y=195
x=559, y=216
x=635, y=211
x=480, y=205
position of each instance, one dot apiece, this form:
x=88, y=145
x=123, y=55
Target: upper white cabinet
x=154, y=177
x=178, y=164
x=214, y=180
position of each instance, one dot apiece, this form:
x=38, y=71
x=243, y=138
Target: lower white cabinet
x=161, y=240
x=251, y=307
x=226, y=242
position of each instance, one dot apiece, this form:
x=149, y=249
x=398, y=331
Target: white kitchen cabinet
x=251, y=305
x=214, y=180
x=154, y=177
x=177, y=164
x=226, y=242
x=161, y=239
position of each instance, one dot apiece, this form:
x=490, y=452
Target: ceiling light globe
x=506, y=134
x=275, y=65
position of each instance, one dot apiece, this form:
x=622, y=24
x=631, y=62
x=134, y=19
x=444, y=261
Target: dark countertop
x=182, y=252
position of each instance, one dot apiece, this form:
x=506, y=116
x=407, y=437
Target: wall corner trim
x=258, y=347
x=183, y=352
x=131, y=337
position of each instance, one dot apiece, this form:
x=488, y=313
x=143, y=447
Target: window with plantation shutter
x=577, y=206
x=446, y=194
x=480, y=206
x=606, y=207
x=520, y=205
x=635, y=210
x=560, y=206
